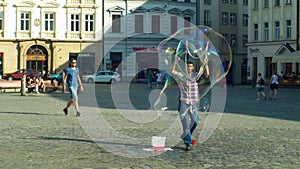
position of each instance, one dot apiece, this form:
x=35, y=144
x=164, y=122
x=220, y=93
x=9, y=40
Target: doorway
x=244, y=71
x=145, y=61
x=36, y=58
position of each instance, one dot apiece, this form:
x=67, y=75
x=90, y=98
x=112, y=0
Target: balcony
x=48, y=34
x=25, y=34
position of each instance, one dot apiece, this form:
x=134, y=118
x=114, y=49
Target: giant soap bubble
x=128, y=127
x=199, y=44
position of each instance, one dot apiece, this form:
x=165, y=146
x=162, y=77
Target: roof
x=285, y=48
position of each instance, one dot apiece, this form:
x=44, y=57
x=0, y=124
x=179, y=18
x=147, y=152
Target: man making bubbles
x=189, y=98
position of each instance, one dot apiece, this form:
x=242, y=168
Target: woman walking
x=260, y=81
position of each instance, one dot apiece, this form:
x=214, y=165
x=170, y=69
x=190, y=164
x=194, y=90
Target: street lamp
x=197, y=12
x=126, y=13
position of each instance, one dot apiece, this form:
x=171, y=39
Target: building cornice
x=82, y=6
x=25, y=4
x=49, y=5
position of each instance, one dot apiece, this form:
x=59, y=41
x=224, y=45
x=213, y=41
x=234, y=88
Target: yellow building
x=44, y=35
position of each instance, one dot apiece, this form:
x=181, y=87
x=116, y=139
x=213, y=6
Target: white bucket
x=158, y=143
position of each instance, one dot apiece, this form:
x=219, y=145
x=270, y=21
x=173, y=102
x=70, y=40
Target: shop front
x=287, y=66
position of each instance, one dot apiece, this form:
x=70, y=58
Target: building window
x=288, y=2
x=49, y=22
x=224, y=18
x=139, y=24
x=232, y=1
x=224, y=1
x=207, y=1
x=255, y=33
x=245, y=40
x=75, y=22
x=245, y=2
x=245, y=20
x=288, y=29
x=266, y=3
x=255, y=5
x=25, y=19
x=89, y=22
x=277, y=3
x=277, y=30
x=155, y=24
x=116, y=23
x=207, y=21
x=233, y=18
x=233, y=40
x=173, y=24
x=187, y=0
x=187, y=24
x=1, y=21
x=266, y=31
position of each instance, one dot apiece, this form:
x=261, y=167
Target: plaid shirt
x=189, y=92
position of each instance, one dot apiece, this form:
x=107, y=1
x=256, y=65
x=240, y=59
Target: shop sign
x=144, y=49
x=36, y=57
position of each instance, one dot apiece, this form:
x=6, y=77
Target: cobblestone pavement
x=251, y=133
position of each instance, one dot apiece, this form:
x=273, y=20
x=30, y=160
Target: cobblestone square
x=250, y=134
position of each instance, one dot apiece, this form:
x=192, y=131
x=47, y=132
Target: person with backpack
x=260, y=82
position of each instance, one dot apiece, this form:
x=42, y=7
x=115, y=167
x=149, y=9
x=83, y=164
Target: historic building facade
x=130, y=42
x=230, y=18
x=44, y=35
x=272, y=38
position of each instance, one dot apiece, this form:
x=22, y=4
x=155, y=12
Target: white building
x=272, y=34
x=131, y=42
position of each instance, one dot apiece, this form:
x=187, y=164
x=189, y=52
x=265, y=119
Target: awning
x=287, y=58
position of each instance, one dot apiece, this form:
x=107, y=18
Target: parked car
x=19, y=74
x=102, y=76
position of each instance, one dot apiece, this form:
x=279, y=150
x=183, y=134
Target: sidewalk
x=251, y=134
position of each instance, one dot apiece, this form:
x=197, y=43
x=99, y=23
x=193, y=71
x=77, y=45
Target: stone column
x=279, y=67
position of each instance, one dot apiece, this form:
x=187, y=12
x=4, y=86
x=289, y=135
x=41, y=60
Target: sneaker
x=257, y=99
x=65, y=111
x=188, y=147
x=77, y=114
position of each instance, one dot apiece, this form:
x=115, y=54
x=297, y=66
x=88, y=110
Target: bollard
x=23, y=86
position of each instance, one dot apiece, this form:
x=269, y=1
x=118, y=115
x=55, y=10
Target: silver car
x=102, y=77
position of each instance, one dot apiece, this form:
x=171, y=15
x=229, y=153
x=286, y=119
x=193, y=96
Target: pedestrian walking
x=274, y=86
x=150, y=78
x=73, y=81
x=260, y=81
x=189, y=98
x=158, y=78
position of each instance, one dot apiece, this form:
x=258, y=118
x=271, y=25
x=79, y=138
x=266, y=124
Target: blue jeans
x=189, y=120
